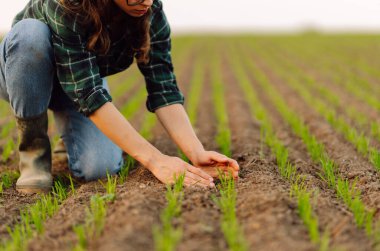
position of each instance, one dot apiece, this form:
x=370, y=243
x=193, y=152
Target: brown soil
x=332, y=213
x=351, y=164
x=11, y=204
x=200, y=215
x=345, y=97
x=265, y=211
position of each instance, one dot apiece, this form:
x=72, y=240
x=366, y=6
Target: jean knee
x=90, y=166
x=29, y=67
x=31, y=37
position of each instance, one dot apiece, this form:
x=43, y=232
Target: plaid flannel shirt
x=80, y=71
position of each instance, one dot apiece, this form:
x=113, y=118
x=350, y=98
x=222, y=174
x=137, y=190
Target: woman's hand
x=167, y=169
x=212, y=163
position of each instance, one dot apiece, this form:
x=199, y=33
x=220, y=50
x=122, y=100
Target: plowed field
x=301, y=115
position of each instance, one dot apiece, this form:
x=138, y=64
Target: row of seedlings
x=167, y=236
x=347, y=192
x=357, y=138
x=299, y=188
x=345, y=77
x=351, y=111
x=95, y=214
x=34, y=216
x=227, y=200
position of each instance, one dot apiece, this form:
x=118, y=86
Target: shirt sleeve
x=160, y=80
x=77, y=68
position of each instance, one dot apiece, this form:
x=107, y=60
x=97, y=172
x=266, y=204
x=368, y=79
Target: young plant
x=166, y=237
x=305, y=210
x=223, y=136
x=32, y=219
x=110, y=187
x=72, y=187
x=8, y=150
x=363, y=216
x=8, y=178
x=227, y=204
x=124, y=172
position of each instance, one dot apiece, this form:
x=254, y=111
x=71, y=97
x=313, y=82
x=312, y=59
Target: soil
x=333, y=215
x=266, y=212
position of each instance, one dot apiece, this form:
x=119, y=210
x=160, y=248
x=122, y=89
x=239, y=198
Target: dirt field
x=328, y=83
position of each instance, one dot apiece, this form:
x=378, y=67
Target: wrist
x=150, y=159
x=194, y=153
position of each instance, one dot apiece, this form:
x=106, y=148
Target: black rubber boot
x=35, y=155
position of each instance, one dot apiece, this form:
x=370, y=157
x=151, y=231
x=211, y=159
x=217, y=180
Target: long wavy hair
x=98, y=13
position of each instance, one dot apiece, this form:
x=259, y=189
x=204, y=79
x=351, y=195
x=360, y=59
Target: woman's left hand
x=211, y=162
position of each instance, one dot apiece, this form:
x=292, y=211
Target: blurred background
x=259, y=16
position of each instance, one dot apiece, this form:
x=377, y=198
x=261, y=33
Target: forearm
x=113, y=124
x=176, y=122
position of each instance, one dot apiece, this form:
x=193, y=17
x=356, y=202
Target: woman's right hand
x=167, y=169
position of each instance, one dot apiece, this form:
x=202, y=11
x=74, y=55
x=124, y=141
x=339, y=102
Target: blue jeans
x=29, y=83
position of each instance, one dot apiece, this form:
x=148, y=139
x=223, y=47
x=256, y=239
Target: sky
x=253, y=15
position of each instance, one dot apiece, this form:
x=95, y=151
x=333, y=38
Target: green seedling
x=362, y=216
x=124, y=172
x=96, y=214
x=33, y=218
x=166, y=237
x=305, y=210
x=72, y=187
x=59, y=191
x=110, y=187
x=227, y=203
x=223, y=136
x=80, y=232
x=8, y=150
x=8, y=178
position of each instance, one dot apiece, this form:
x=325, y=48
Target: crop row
x=357, y=138
x=344, y=190
x=287, y=170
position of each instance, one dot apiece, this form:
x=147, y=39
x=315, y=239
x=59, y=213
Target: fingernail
x=212, y=185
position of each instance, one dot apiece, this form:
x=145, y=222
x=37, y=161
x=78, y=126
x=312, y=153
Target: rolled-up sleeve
x=160, y=80
x=77, y=68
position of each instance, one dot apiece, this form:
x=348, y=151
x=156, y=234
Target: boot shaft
x=35, y=154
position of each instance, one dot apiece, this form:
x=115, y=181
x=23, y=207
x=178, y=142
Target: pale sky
x=253, y=15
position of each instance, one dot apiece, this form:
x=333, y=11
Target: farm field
x=300, y=114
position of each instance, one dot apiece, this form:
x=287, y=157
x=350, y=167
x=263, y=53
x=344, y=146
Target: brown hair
x=97, y=13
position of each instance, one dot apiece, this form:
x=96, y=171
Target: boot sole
x=33, y=190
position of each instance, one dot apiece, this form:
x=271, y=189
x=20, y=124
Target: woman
x=57, y=55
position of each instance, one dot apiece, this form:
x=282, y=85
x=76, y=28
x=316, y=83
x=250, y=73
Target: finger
x=199, y=172
x=228, y=170
x=198, y=178
x=189, y=182
x=219, y=157
x=234, y=164
x=223, y=159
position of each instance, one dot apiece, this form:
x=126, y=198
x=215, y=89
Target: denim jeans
x=29, y=83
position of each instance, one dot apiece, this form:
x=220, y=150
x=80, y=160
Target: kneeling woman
x=57, y=55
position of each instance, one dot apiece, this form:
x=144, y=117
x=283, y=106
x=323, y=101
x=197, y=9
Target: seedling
x=8, y=150
x=166, y=237
x=227, y=203
x=72, y=187
x=110, y=187
x=8, y=178
x=124, y=172
x=317, y=152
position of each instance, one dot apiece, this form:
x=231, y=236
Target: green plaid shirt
x=80, y=71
